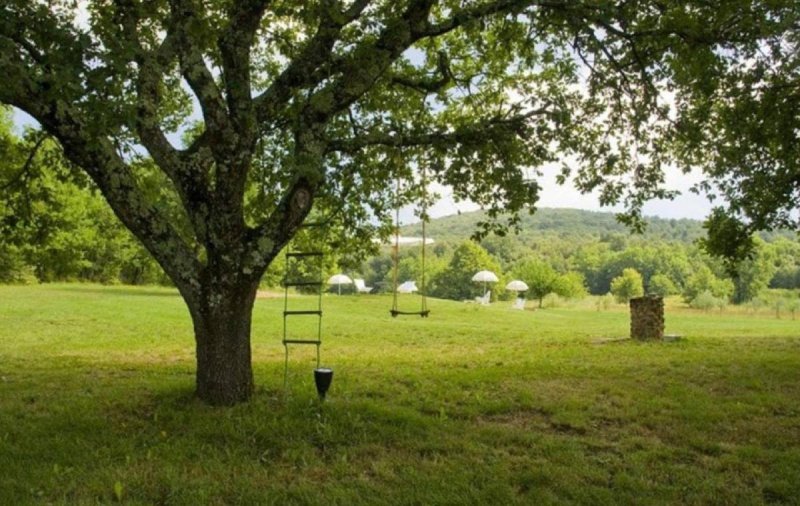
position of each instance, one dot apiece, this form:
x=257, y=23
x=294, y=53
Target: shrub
x=662, y=286
x=706, y=301
x=627, y=286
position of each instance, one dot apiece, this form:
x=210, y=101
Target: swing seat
x=410, y=286
x=395, y=313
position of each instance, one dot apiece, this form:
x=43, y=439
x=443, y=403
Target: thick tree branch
x=199, y=77
x=235, y=45
x=474, y=133
x=24, y=43
x=188, y=176
x=26, y=167
x=365, y=64
x=264, y=242
x=461, y=17
x=151, y=69
x=304, y=70
x=97, y=156
x=427, y=84
x=230, y=145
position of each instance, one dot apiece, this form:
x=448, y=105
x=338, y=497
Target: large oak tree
x=297, y=108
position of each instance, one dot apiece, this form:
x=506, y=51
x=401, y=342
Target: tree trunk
x=221, y=320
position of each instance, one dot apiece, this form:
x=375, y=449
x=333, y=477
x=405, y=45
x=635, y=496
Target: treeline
x=58, y=232
x=576, y=258
x=55, y=227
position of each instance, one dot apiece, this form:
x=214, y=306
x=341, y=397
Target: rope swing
x=423, y=311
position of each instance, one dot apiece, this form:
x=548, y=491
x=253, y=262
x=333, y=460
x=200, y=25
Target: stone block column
x=647, y=317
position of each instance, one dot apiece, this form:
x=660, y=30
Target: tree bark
x=221, y=318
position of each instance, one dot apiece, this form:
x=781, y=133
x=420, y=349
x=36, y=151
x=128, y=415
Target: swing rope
x=395, y=311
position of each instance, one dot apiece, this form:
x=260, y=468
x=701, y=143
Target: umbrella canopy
x=516, y=286
x=485, y=277
x=408, y=287
x=340, y=279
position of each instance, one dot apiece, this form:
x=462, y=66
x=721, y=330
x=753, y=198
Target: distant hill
x=568, y=224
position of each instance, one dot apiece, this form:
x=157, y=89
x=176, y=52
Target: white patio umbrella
x=339, y=280
x=408, y=287
x=485, y=277
x=516, y=286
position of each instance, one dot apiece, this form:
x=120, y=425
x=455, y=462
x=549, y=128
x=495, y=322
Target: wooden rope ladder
x=314, y=340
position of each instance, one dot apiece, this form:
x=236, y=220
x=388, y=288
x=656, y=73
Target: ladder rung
x=304, y=312
x=301, y=341
x=304, y=254
x=302, y=283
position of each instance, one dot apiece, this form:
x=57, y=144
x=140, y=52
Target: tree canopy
x=297, y=108
x=540, y=277
x=627, y=285
x=741, y=125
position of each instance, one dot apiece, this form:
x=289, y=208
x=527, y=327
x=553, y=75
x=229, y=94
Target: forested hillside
x=573, y=224
x=570, y=253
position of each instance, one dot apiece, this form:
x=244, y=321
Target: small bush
x=706, y=301
x=551, y=300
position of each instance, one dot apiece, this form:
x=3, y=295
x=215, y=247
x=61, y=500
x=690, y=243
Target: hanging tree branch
x=26, y=167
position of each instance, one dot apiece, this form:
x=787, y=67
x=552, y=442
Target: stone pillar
x=647, y=317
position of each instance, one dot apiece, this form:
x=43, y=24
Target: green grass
x=474, y=405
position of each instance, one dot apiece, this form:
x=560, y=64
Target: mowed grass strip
x=474, y=405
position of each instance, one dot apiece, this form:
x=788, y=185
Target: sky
x=686, y=205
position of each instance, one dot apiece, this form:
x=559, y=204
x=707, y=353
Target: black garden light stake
x=323, y=377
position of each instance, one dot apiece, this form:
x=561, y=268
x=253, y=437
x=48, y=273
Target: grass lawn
x=474, y=405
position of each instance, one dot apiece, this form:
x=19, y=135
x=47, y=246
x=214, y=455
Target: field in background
x=474, y=405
